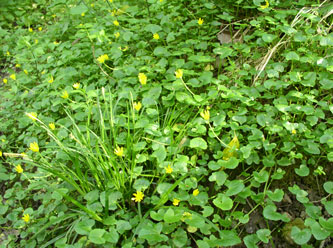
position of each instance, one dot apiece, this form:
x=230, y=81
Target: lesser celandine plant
x=166, y=123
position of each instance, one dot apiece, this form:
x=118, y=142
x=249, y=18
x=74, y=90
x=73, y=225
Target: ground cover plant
x=158, y=123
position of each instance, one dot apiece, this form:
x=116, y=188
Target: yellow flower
x=8, y=53
x=101, y=59
x=179, y=73
x=34, y=147
x=231, y=149
x=142, y=78
x=83, y=14
x=13, y=76
x=65, y=94
x=205, y=114
x=30, y=30
x=76, y=86
x=156, y=36
x=200, y=21
x=51, y=80
x=116, y=23
x=175, y=202
x=26, y=218
x=32, y=115
x=52, y=126
x=40, y=28
x=25, y=71
x=0, y=153
x=19, y=169
x=17, y=65
x=55, y=43
x=196, y=192
x=293, y=131
x=117, y=35
x=138, y=196
x=137, y=106
x=168, y=169
x=5, y=80
x=119, y=151
x=265, y=6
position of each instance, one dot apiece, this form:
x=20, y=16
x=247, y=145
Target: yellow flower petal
x=34, y=147
x=138, y=196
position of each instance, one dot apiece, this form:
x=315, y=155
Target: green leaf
x=277, y=195
x=327, y=224
x=326, y=83
x=160, y=154
x=78, y=10
x=328, y=186
x=161, y=52
x=152, y=233
x=328, y=206
x=170, y=216
x=232, y=163
x=268, y=38
x=207, y=211
x=84, y=227
x=300, y=237
x=201, y=58
x=261, y=177
x=112, y=236
x=292, y=56
x=223, y=202
x=271, y=214
x=96, y=236
x=218, y=177
x=179, y=237
x=234, y=187
x=195, y=221
x=251, y=241
x=198, y=143
x=330, y=156
x=229, y=238
x=317, y=231
x=153, y=28
x=302, y=171
x=223, y=52
x=264, y=235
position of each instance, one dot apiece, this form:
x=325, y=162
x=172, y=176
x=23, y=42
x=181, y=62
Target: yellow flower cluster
x=76, y=86
x=34, y=147
x=137, y=106
x=52, y=126
x=19, y=169
x=26, y=218
x=142, y=78
x=101, y=59
x=119, y=151
x=205, y=115
x=156, y=36
x=200, y=21
x=168, y=169
x=138, y=196
x=179, y=73
x=265, y=6
x=32, y=115
x=65, y=94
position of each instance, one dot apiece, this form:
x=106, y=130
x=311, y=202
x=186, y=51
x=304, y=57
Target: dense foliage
x=159, y=123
